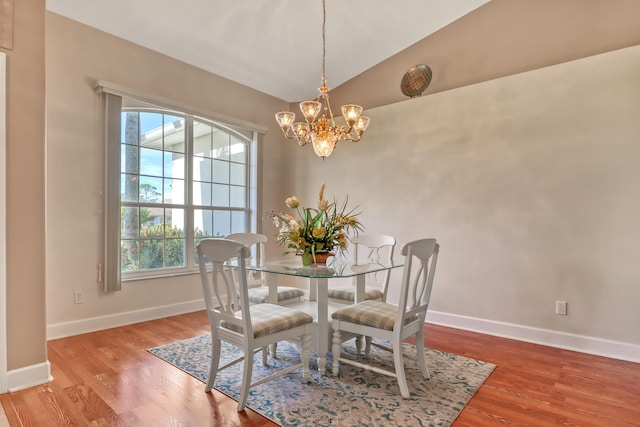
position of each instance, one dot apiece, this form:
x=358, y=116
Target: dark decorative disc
x=416, y=80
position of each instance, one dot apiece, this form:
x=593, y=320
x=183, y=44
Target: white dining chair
x=393, y=323
x=368, y=248
x=258, y=290
x=251, y=327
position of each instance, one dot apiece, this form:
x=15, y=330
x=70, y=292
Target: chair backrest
x=374, y=248
x=223, y=298
x=417, y=280
x=256, y=243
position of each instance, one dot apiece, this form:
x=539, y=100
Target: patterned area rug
x=356, y=398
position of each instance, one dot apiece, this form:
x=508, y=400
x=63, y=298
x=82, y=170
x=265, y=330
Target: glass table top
x=335, y=267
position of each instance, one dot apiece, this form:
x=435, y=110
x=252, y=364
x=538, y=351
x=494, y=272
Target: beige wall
x=530, y=183
x=78, y=55
x=26, y=333
x=500, y=38
x=521, y=166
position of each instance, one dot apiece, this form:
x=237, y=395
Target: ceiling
x=274, y=46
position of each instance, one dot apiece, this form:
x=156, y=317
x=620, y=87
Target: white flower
x=292, y=202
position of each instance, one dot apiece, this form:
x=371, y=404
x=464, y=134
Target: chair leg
x=422, y=360
x=273, y=347
x=305, y=355
x=359, y=344
x=399, y=366
x=336, y=349
x=213, y=367
x=265, y=352
x=367, y=347
x=246, y=380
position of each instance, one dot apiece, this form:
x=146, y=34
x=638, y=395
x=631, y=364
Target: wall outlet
x=78, y=298
x=561, y=308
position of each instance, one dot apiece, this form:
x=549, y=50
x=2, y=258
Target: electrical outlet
x=78, y=298
x=561, y=308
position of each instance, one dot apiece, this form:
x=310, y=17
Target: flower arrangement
x=316, y=231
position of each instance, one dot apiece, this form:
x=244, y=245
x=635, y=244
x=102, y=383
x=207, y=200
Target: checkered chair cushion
x=269, y=319
x=349, y=294
x=376, y=314
x=261, y=294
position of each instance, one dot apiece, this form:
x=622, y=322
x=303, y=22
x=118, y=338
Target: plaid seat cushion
x=269, y=319
x=376, y=314
x=349, y=294
x=261, y=294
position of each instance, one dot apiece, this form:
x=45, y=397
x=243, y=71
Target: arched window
x=182, y=178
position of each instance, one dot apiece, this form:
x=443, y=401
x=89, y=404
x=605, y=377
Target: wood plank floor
x=108, y=378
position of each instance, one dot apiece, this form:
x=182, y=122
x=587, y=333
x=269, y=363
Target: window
x=182, y=178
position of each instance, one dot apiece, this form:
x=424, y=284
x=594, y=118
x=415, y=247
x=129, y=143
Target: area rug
x=355, y=398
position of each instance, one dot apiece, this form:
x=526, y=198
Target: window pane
x=174, y=165
x=129, y=255
x=202, y=139
x=174, y=252
x=129, y=188
x=221, y=144
x=174, y=244
x=150, y=162
x=238, y=222
x=238, y=150
x=174, y=191
x=201, y=193
x=238, y=174
x=220, y=195
x=150, y=127
x=130, y=122
x=221, y=223
x=202, y=169
x=129, y=158
x=174, y=133
x=130, y=223
x=150, y=189
x=151, y=254
x=203, y=222
x=221, y=171
x=237, y=197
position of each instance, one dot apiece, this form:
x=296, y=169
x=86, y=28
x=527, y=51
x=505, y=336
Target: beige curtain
x=112, y=107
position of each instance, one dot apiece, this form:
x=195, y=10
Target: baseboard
x=29, y=376
x=567, y=341
x=83, y=326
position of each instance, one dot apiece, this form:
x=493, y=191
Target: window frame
x=250, y=196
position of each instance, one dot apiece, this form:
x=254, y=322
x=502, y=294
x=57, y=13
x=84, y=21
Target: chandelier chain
x=324, y=42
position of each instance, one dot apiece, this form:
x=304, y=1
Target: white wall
x=530, y=183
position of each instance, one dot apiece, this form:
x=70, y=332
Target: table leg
x=324, y=325
x=359, y=296
x=272, y=284
x=313, y=289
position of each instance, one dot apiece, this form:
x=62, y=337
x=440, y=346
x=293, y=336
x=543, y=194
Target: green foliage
x=158, y=246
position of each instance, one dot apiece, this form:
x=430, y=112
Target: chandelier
x=323, y=133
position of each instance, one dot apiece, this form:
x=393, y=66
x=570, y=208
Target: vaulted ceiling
x=275, y=46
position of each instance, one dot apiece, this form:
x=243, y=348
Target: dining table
x=317, y=304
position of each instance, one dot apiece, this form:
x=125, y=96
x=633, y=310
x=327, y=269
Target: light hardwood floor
x=108, y=378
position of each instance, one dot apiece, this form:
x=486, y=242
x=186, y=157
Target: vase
x=319, y=259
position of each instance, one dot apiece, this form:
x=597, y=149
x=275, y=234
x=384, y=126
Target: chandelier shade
x=319, y=127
